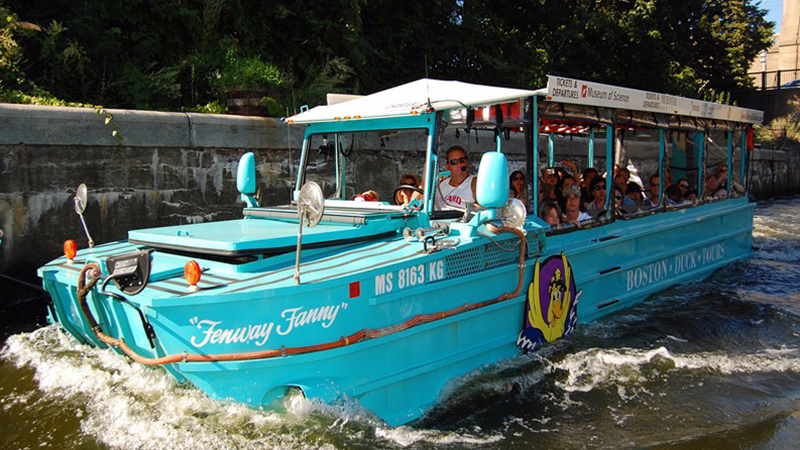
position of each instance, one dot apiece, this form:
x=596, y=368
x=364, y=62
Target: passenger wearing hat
x=572, y=210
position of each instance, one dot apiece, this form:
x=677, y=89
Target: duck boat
x=385, y=303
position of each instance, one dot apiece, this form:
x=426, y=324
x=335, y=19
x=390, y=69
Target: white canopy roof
x=412, y=98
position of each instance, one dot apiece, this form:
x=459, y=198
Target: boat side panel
x=634, y=259
x=397, y=376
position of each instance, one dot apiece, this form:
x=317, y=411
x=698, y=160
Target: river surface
x=708, y=365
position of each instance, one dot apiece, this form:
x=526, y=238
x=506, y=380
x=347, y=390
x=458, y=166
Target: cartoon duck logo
x=551, y=309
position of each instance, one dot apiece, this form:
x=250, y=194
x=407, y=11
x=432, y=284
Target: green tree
x=11, y=74
x=171, y=54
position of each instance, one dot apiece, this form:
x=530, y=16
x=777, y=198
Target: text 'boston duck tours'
x=395, y=270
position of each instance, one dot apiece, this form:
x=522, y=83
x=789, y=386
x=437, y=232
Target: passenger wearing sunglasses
x=653, y=200
x=616, y=199
x=683, y=185
x=550, y=184
x=597, y=189
x=457, y=190
x=519, y=188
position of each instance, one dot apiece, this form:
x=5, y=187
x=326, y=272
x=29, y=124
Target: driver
x=458, y=190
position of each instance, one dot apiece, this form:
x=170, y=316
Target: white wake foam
x=125, y=405
x=593, y=368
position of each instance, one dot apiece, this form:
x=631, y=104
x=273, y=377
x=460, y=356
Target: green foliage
x=108, y=120
x=11, y=75
x=781, y=132
x=152, y=86
x=215, y=107
x=36, y=96
x=165, y=54
x=245, y=74
x=331, y=78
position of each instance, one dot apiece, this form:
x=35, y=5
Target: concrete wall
x=171, y=168
x=775, y=173
x=175, y=168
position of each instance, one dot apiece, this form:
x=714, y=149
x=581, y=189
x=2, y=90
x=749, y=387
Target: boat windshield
x=367, y=166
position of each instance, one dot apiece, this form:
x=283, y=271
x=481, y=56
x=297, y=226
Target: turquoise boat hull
x=384, y=282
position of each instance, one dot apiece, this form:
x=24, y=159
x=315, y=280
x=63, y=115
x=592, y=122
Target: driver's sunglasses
x=600, y=187
x=683, y=186
x=618, y=197
x=461, y=160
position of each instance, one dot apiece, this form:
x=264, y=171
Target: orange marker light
x=191, y=271
x=70, y=249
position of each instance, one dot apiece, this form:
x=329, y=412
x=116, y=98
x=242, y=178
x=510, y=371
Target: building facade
x=780, y=64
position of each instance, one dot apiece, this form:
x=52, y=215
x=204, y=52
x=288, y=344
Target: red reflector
x=355, y=289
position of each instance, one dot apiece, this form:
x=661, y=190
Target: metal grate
x=484, y=257
x=533, y=239
x=464, y=263
x=496, y=257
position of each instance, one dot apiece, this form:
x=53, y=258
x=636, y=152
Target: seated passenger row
x=562, y=202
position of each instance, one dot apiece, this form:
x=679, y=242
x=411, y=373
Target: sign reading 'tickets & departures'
x=570, y=90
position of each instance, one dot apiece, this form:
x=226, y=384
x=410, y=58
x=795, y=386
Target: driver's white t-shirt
x=448, y=197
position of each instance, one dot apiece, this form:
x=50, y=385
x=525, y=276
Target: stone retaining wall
x=171, y=168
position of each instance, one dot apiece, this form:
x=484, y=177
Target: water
x=709, y=365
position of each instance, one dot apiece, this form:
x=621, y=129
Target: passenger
x=722, y=173
x=633, y=194
x=457, y=190
x=683, y=185
x=366, y=196
x=565, y=183
x=588, y=175
x=674, y=195
x=652, y=199
x=621, y=177
x=551, y=214
x=616, y=199
x=711, y=188
x=598, y=189
x=519, y=188
x=572, y=207
x=550, y=184
x=405, y=196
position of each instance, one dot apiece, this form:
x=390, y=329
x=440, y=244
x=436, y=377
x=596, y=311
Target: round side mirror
x=81, y=198
x=310, y=204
